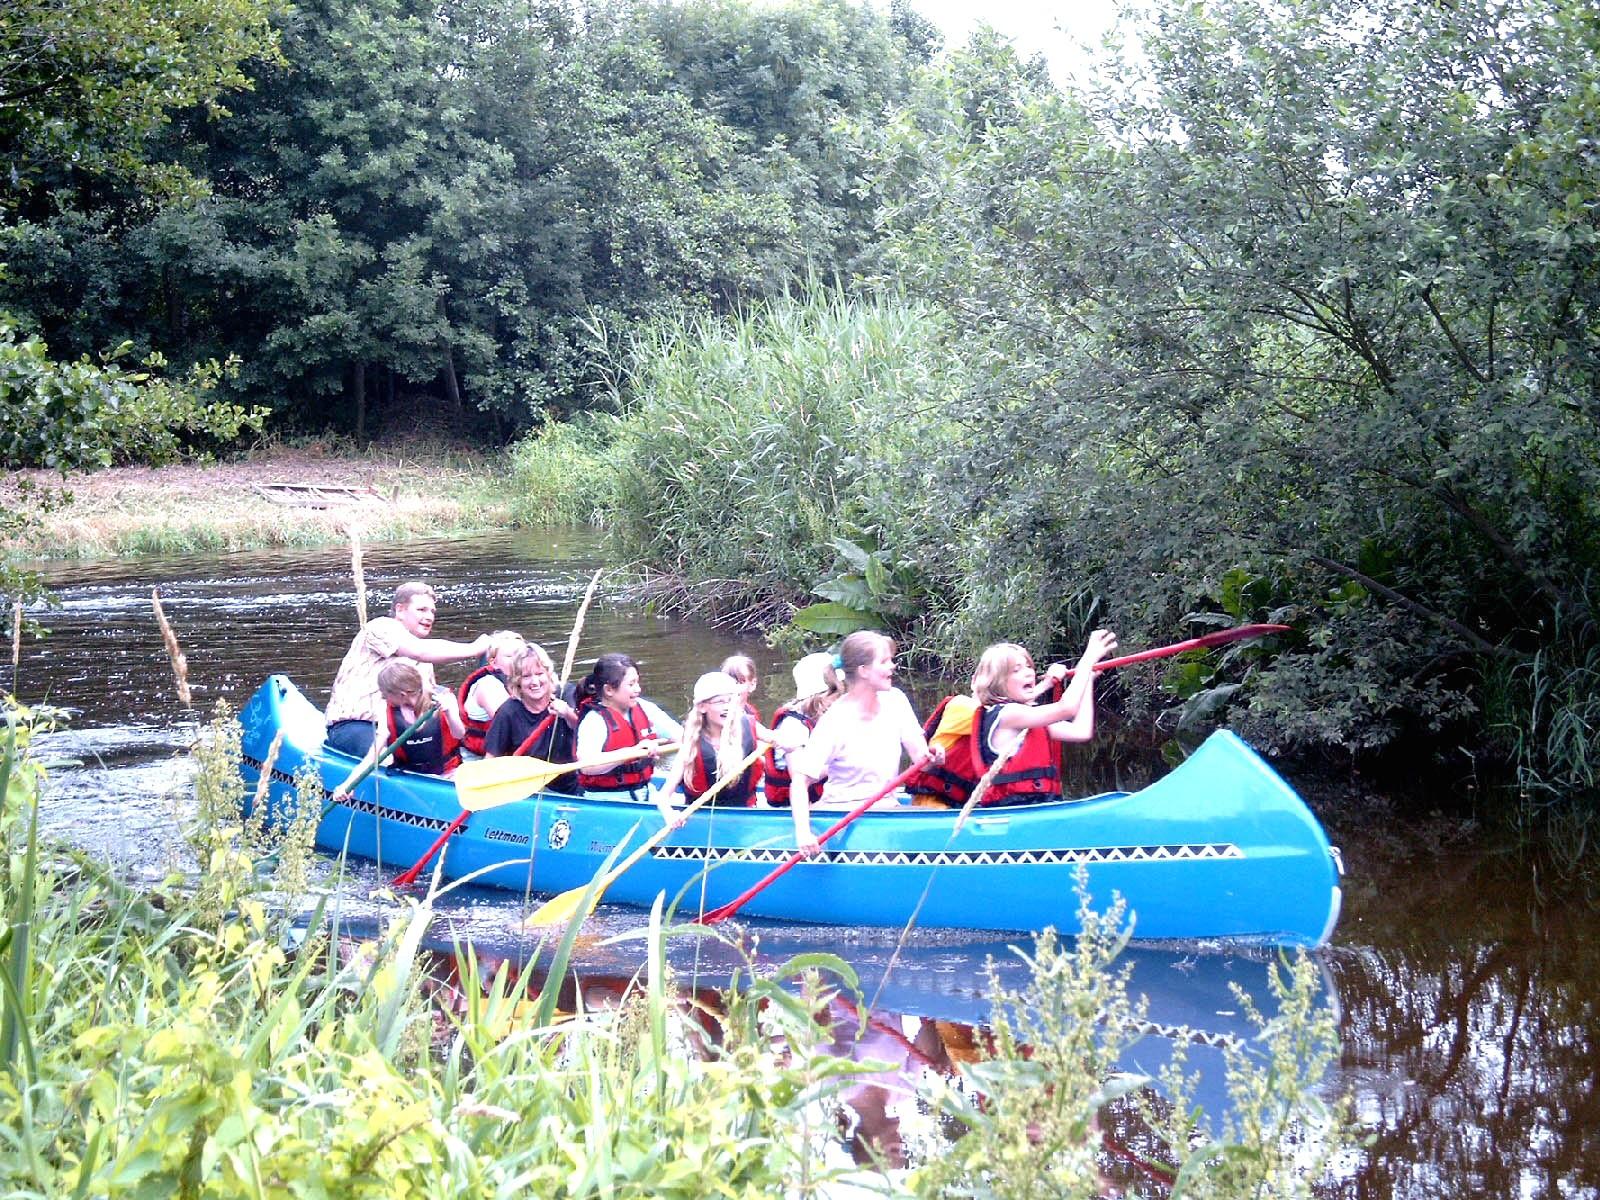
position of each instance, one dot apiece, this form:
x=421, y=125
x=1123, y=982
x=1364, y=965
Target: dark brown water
x=1467, y=997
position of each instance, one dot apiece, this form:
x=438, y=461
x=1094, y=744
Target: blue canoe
x=1220, y=848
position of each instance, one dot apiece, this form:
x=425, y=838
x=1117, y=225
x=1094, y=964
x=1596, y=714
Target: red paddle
x=738, y=902
x=1220, y=638
x=409, y=876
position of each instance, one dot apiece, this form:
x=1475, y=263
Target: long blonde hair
x=994, y=666
x=730, y=743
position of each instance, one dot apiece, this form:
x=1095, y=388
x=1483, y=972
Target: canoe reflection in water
x=924, y=1011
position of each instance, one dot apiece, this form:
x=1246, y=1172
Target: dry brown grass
x=192, y=506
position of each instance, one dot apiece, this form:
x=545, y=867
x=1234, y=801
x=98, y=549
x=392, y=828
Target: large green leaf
x=834, y=620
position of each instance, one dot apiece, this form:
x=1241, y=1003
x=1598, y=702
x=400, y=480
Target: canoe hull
x=1220, y=848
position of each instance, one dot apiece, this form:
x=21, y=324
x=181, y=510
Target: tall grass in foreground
x=173, y=1044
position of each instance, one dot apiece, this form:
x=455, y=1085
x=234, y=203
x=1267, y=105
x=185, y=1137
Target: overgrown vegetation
x=767, y=453
x=190, y=1042
x=1289, y=314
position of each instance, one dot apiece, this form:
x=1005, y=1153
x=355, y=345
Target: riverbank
x=281, y=495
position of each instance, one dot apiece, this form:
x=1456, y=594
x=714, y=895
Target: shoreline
x=261, y=501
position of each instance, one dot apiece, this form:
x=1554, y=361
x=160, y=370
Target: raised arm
x=1025, y=716
x=439, y=650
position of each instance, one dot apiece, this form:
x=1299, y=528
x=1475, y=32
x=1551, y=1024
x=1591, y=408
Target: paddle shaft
x=727, y=910
x=1221, y=638
x=349, y=785
x=409, y=876
x=538, y=732
x=561, y=902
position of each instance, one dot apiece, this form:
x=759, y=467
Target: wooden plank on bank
x=319, y=495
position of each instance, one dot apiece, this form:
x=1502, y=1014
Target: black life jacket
x=432, y=749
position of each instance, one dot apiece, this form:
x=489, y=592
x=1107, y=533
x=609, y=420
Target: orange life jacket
x=951, y=781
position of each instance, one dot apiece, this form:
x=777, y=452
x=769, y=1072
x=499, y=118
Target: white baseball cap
x=714, y=684
x=812, y=674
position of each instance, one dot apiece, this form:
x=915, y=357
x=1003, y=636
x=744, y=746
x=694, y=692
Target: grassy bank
x=400, y=492
x=188, y=1043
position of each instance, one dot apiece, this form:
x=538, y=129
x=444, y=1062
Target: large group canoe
x=1220, y=847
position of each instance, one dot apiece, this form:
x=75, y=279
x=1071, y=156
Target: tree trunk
x=359, y=386
x=452, y=387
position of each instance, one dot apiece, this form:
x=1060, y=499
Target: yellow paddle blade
x=956, y=722
x=559, y=910
x=490, y=782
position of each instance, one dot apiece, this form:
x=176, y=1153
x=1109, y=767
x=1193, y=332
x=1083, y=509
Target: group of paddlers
x=837, y=742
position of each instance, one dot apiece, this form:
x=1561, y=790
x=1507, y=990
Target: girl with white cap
x=718, y=735
x=816, y=685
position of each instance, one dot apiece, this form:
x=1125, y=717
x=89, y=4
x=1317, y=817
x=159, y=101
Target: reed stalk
x=16, y=643
x=180, y=661
x=577, y=629
x=359, y=575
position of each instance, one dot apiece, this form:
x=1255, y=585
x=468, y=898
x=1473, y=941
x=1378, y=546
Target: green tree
x=1294, y=313
x=83, y=84
x=448, y=199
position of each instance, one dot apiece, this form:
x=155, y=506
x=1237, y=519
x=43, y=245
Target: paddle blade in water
x=560, y=909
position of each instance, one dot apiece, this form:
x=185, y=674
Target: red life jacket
x=952, y=781
x=778, y=778
x=1033, y=773
x=701, y=772
x=476, y=730
x=622, y=730
x=432, y=749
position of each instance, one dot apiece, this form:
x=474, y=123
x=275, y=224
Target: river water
x=1467, y=996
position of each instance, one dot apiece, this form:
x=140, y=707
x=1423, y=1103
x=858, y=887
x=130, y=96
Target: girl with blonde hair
x=718, y=735
x=1009, y=724
x=520, y=726
x=484, y=690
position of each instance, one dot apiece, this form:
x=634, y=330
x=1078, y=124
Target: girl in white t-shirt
x=857, y=743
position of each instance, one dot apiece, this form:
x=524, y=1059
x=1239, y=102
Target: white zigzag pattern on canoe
x=958, y=858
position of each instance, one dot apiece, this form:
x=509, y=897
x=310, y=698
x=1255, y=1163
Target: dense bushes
x=784, y=451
